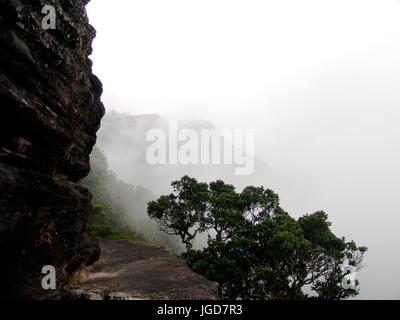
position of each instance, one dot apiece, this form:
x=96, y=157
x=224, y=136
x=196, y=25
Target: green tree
x=182, y=212
x=255, y=250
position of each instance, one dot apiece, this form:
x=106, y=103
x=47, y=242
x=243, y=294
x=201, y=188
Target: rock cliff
x=50, y=113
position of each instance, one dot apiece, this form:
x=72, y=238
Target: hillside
x=120, y=209
x=122, y=138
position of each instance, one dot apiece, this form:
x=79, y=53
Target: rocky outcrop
x=134, y=270
x=50, y=113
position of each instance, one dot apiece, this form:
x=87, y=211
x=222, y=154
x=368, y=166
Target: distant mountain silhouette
x=123, y=139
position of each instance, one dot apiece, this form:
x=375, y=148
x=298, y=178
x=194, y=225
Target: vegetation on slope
x=119, y=209
x=107, y=219
x=103, y=227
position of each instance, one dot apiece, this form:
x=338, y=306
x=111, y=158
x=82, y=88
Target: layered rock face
x=49, y=115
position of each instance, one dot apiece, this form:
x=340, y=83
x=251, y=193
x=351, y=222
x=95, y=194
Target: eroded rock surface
x=49, y=115
x=129, y=270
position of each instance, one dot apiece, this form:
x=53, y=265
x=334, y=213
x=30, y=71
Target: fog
x=318, y=80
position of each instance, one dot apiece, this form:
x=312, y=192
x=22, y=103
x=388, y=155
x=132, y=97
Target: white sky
x=185, y=57
x=318, y=79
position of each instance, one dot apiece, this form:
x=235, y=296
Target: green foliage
x=123, y=214
x=101, y=226
x=183, y=213
x=255, y=249
x=108, y=220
